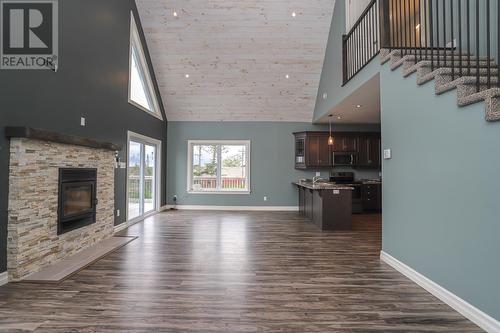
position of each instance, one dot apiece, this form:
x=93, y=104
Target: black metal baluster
x=406, y=35
x=431, y=29
x=437, y=35
x=410, y=26
x=444, y=32
x=468, y=38
x=460, y=35
x=426, y=44
x=488, y=47
x=452, y=43
x=419, y=32
x=400, y=21
x=478, y=88
x=392, y=25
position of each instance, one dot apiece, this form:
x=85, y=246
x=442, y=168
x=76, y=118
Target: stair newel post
x=477, y=47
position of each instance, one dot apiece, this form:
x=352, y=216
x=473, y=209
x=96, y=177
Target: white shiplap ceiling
x=237, y=54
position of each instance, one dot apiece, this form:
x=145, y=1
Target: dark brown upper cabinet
x=312, y=149
x=318, y=152
x=369, y=153
x=345, y=142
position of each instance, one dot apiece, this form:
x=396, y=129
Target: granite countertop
x=323, y=186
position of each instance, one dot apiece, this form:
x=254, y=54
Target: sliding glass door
x=143, y=176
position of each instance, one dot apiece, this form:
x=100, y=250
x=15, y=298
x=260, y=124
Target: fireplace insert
x=77, y=198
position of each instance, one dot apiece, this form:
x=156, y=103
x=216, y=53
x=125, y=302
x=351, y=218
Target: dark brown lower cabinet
x=372, y=197
x=328, y=209
x=332, y=211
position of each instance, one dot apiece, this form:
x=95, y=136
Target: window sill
x=220, y=192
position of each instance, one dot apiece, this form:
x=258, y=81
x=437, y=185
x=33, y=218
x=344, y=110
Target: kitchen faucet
x=316, y=179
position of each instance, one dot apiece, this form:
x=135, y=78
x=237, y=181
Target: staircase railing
x=460, y=35
x=361, y=44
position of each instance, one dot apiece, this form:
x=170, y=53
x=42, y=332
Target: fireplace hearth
x=77, y=198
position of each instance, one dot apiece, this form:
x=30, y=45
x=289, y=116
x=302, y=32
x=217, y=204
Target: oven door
x=344, y=159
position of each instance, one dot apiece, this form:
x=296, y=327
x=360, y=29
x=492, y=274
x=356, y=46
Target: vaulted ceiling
x=247, y=60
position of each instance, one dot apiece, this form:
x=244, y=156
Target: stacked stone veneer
x=33, y=203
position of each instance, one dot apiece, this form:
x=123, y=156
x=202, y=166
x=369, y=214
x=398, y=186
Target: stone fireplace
x=61, y=198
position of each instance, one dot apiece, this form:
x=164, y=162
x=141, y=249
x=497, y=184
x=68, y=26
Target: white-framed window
x=218, y=166
x=141, y=92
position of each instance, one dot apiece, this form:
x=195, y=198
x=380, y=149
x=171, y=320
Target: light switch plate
x=82, y=121
x=387, y=154
x=318, y=174
x=336, y=192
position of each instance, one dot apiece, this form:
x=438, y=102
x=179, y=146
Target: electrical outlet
x=82, y=121
x=318, y=174
x=117, y=212
x=265, y=198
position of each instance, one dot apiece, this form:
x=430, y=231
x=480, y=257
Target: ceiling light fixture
x=330, y=137
x=358, y=106
x=339, y=117
x=175, y=14
x=294, y=14
x=287, y=76
x=186, y=76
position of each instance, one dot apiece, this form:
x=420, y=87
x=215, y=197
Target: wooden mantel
x=45, y=135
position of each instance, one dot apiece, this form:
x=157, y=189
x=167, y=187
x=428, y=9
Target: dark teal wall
x=272, y=160
x=441, y=189
x=92, y=81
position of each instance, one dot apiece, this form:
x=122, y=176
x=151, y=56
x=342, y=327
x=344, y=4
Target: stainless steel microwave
x=344, y=158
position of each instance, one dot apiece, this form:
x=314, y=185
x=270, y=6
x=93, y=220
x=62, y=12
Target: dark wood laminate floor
x=233, y=272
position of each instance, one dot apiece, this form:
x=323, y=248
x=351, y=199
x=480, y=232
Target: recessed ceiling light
x=359, y=106
x=287, y=76
x=339, y=117
x=175, y=14
x=294, y=14
x=186, y=76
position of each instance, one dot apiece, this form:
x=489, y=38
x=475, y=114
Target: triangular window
x=141, y=91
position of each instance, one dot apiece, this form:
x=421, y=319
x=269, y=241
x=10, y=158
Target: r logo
x=29, y=28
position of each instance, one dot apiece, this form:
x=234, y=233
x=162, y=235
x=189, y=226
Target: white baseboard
x=467, y=310
x=237, y=208
x=121, y=227
x=127, y=224
x=4, y=278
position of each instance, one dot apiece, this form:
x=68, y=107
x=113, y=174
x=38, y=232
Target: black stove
x=348, y=178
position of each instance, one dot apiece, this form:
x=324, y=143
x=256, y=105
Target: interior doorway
x=143, y=176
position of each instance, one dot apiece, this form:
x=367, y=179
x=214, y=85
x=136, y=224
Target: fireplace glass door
x=142, y=178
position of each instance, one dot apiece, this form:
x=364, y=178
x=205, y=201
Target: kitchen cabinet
x=372, y=197
x=318, y=150
x=313, y=152
x=369, y=152
x=347, y=142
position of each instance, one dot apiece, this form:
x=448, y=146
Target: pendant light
x=330, y=137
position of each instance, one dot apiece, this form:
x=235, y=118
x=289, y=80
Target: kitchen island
x=327, y=205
